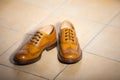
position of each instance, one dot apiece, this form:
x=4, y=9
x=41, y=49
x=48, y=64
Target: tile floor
x=97, y=24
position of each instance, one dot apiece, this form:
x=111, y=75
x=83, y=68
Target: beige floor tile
x=107, y=43
x=21, y=16
x=48, y=66
x=7, y=38
x=48, y=4
x=11, y=74
x=116, y=21
x=92, y=67
x=100, y=11
x=85, y=30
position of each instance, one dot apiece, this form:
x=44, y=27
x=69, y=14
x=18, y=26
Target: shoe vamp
x=69, y=46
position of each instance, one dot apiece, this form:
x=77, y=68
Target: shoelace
x=69, y=35
x=36, y=38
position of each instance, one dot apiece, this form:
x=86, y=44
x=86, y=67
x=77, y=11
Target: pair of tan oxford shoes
x=45, y=39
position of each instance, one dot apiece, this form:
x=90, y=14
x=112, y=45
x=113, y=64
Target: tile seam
x=108, y=58
x=105, y=26
x=60, y=72
x=23, y=71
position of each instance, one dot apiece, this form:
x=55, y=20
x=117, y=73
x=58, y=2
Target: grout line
x=117, y=14
x=114, y=26
x=40, y=21
x=23, y=71
x=14, y=43
x=38, y=6
x=56, y=9
x=60, y=72
x=98, y=22
x=103, y=56
x=94, y=37
x=11, y=29
x=105, y=25
x=94, y=21
x=8, y=48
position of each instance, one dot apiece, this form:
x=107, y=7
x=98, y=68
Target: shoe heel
x=51, y=46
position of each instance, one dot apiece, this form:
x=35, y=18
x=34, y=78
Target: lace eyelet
x=37, y=39
x=38, y=32
x=66, y=32
x=66, y=36
x=35, y=42
x=41, y=34
x=66, y=39
x=31, y=40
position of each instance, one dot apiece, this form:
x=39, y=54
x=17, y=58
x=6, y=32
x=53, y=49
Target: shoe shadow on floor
x=27, y=37
x=57, y=32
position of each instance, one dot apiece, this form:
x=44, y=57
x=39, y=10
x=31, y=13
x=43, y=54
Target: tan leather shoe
x=44, y=39
x=70, y=51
